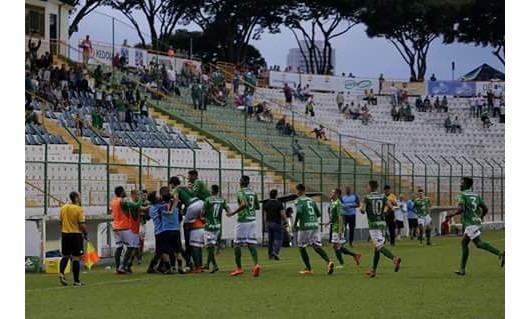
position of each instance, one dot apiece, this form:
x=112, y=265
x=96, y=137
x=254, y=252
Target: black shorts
x=399, y=224
x=72, y=244
x=169, y=242
x=413, y=222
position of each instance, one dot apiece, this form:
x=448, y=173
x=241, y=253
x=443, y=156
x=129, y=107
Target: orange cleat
x=256, y=270
x=357, y=259
x=397, y=260
x=237, y=272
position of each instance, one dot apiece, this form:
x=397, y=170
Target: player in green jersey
x=245, y=229
x=199, y=187
x=307, y=226
x=423, y=209
x=373, y=205
x=337, y=217
x=212, y=210
x=473, y=209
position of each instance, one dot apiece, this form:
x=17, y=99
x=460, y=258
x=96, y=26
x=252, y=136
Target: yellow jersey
x=391, y=198
x=70, y=216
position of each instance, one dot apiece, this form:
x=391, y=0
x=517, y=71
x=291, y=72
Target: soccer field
x=424, y=288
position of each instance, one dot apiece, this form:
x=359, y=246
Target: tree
x=325, y=19
x=164, y=14
x=411, y=26
x=207, y=49
x=231, y=24
x=481, y=22
x=81, y=10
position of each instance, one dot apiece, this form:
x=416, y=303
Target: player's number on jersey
x=311, y=212
x=474, y=203
x=250, y=200
x=377, y=205
x=216, y=210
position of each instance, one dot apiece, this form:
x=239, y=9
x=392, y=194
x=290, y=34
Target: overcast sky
x=355, y=52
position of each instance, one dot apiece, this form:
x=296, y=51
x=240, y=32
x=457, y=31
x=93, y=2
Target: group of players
x=201, y=211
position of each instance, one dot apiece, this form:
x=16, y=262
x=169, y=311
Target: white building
x=296, y=59
x=47, y=20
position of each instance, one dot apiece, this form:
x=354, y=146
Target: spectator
x=288, y=94
x=502, y=110
x=31, y=116
x=310, y=107
x=394, y=94
x=33, y=52
x=171, y=52
x=79, y=125
x=305, y=94
x=485, y=118
x=320, y=132
x=444, y=104
x=490, y=100
x=419, y=105
x=427, y=104
x=196, y=95
x=340, y=99
x=144, y=107
x=275, y=215
x=381, y=81
x=236, y=82
x=280, y=124
x=448, y=124
x=437, y=104
x=366, y=117
x=297, y=150
x=496, y=108
x=473, y=106
x=288, y=130
x=456, y=126
x=394, y=113
x=86, y=45
x=433, y=78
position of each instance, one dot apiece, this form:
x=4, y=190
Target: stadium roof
x=483, y=72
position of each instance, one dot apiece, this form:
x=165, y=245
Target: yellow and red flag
x=91, y=256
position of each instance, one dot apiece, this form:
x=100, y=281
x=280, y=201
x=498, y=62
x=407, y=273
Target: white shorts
x=142, y=232
x=192, y=211
x=336, y=239
x=211, y=238
x=196, y=237
x=245, y=233
x=309, y=237
x=425, y=220
x=377, y=236
x=472, y=231
x=125, y=237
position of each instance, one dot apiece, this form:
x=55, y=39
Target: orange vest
x=120, y=220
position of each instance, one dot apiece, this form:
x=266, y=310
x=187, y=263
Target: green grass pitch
x=424, y=288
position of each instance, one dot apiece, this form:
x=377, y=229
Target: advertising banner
x=322, y=82
x=413, y=88
x=483, y=87
x=451, y=88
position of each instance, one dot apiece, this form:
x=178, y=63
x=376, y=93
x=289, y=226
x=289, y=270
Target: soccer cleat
x=62, y=279
x=340, y=266
x=459, y=273
x=198, y=271
x=357, y=259
x=331, y=266
x=120, y=271
x=502, y=259
x=214, y=269
x=397, y=260
x=256, y=270
x=371, y=273
x=78, y=283
x=237, y=272
x=306, y=272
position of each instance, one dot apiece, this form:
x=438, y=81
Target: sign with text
x=452, y=88
x=322, y=82
x=483, y=87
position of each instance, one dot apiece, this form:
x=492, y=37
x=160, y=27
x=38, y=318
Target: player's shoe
x=340, y=266
x=120, y=271
x=397, y=260
x=331, y=267
x=357, y=259
x=62, y=280
x=78, y=283
x=459, y=273
x=214, y=269
x=371, y=273
x=306, y=272
x=256, y=270
x=502, y=259
x=198, y=271
x=237, y=272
